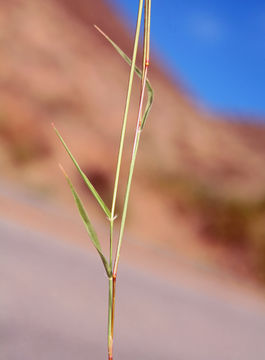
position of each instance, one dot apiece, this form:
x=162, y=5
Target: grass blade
x=150, y=91
x=86, y=180
x=92, y=233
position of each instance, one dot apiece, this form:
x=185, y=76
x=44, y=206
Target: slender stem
x=135, y=148
x=125, y=117
x=145, y=38
x=128, y=188
x=111, y=241
x=113, y=303
x=133, y=159
x=138, y=130
x=147, y=32
x=146, y=54
x=110, y=319
x=112, y=282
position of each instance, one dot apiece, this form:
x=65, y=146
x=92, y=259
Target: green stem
x=111, y=241
x=125, y=116
x=116, y=183
x=112, y=283
x=110, y=319
x=127, y=195
x=131, y=170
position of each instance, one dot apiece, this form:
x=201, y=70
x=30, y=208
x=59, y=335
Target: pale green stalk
x=127, y=195
x=147, y=9
x=110, y=332
x=129, y=182
x=125, y=117
x=138, y=130
x=135, y=147
x=116, y=183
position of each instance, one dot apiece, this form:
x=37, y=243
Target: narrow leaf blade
x=91, y=232
x=86, y=180
x=150, y=91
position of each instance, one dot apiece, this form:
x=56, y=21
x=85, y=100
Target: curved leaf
x=150, y=91
x=92, y=233
x=86, y=180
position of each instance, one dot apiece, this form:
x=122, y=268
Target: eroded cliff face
x=55, y=67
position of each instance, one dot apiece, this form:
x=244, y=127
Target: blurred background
x=194, y=256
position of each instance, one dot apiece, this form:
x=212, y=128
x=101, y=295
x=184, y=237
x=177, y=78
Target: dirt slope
x=56, y=67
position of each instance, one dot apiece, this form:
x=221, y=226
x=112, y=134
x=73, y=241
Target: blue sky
x=215, y=48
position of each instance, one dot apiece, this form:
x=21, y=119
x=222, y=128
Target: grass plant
x=111, y=262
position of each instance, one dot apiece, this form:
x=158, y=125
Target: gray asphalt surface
x=53, y=307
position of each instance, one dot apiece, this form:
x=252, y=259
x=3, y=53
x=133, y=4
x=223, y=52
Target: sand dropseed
x=111, y=262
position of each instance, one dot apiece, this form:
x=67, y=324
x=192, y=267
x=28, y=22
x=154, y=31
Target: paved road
x=53, y=307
